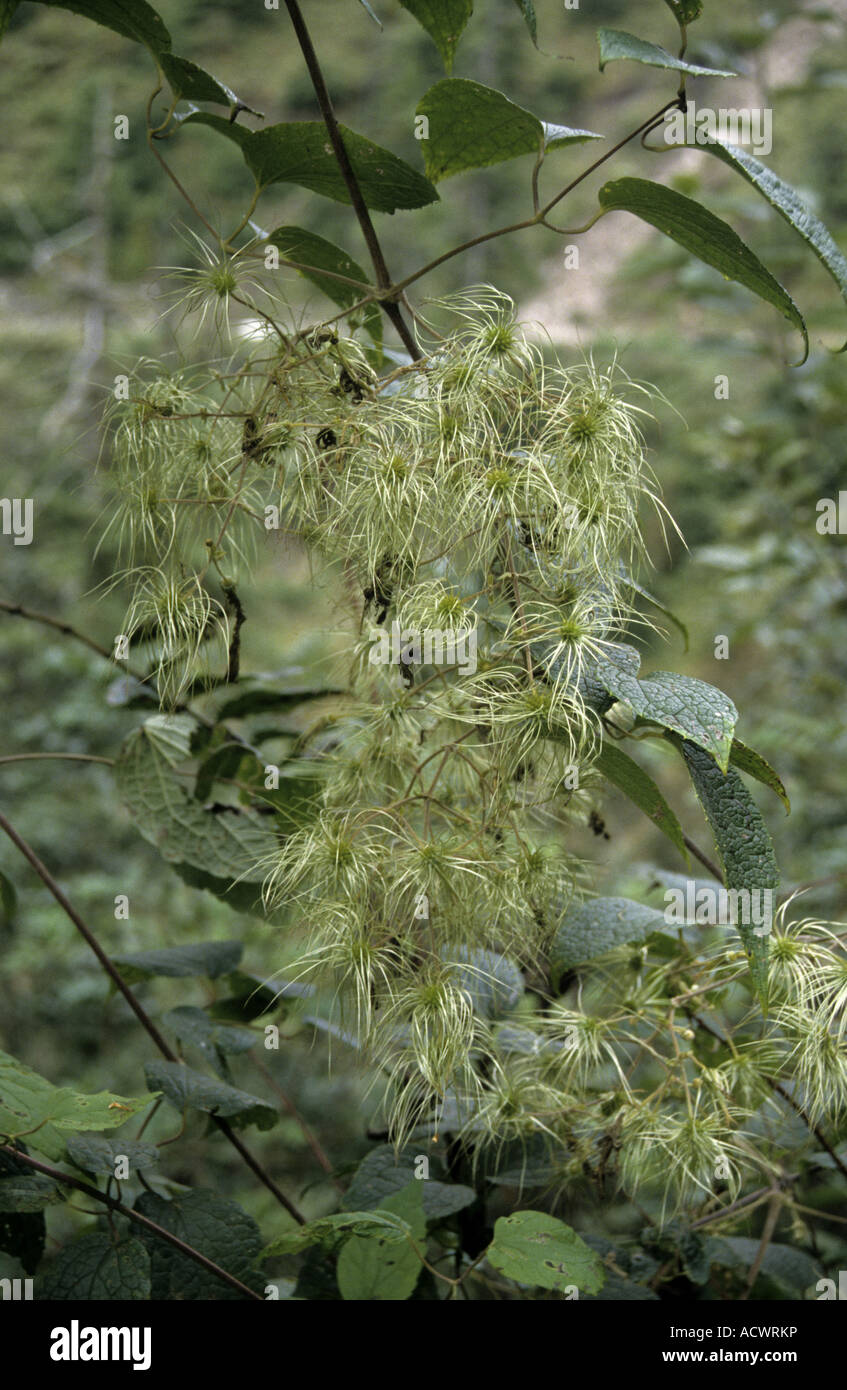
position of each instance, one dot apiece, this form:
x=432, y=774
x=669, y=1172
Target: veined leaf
x=472, y=127
x=788, y=204
x=209, y=958
x=751, y=762
x=31, y=1107
x=743, y=844
x=189, y=81
x=101, y=1267
x=224, y=851
x=493, y=982
x=626, y=774
x=444, y=21
x=713, y=241
x=188, y=1089
x=216, y=1226
x=134, y=19
x=690, y=707
x=93, y=1153
x=373, y=1269
x=300, y=152
x=296, y=244
x=383, y=1172
x=534, y=1248
x=615, y=44
x=328, y=1230
x=595, y=927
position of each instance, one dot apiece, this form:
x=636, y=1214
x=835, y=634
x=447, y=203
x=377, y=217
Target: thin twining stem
x=143, y=1017
x=114, y=1205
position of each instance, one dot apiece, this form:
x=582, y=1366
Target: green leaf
x=751, y=762
x=134, y=19
x=444, y=21
x=788, y=204
x=685, y=11
x=743, y=844
x=595, y=927
x=189, y=81
x=494, y=983
x=534, y=1248
x=328, y=1230
x=698, y=711
x=23, y=1195
x=24, y=1192
x=615, y=44
x=373, y=16
x=224, y=851
x=371, y=1268
x=705, y=236
x=217, y=1227
x=263, y=697
x=382, y=1173
x=8, y=902
x=792, y=1269
x=33, y=1108
x=300, y=152
x=99, y=1267
x=186, y=1088
x=690, y=707
x=472, y=127
x=209, y=958
x=527, y=9
x=214, y=1039
x=625, y=774
x=96, y=1154
x=309, y=249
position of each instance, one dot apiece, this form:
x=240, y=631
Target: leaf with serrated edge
x=225, y=851
x=216, y=1226
x=381, y=1173
x=472, y=127
x=188, y=1089
x=96, y=1154
x=99, y=1267
x=709, y=238
x=373, y=1269
x=536, y=1249
x=444, y=21
x=595, y=927
x=743, y=844
x=300, y=152
x=32, y=1107
x=134, y=19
